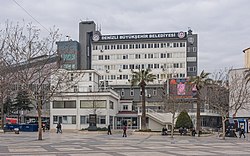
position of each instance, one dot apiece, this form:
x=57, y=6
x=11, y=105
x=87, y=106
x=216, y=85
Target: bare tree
x=31, y=60
x=227, y=94
x=174, y=103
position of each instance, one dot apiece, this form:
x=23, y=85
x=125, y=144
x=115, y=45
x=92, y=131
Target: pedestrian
x=59, y=128
x=164, y=131
x=242, y=131
x=124, y=131
x=109, y=130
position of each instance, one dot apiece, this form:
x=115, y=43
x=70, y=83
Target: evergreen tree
x=184, y=121
x=9, y=107
x=22, y=102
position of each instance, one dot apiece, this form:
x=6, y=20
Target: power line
x=30, y=15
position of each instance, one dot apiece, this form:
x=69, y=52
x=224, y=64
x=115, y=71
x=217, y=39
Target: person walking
x=59, y=128
x=109, y=130
x=124, y=131
x=242, y=131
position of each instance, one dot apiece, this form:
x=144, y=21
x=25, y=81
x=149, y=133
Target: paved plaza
x=100, y=144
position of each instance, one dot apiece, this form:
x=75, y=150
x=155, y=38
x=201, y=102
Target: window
x=192, y=69
x=107, y=57
x=69, y=104
x=100, y=57
x=137, y=56
x=64, y=104
x=111, y=105
x=90, y=76
x=125, y=107
x=75, y=89
x=71, y=76
x=169, y=55
x=125, y=57
x=156, y=66
x=100, y=104
x=69, y=57
x=163, y=55
x=122, y=92
x=84, y=119
x=131, y=92
x=176, y=65
x=150, y=55
x=125, y=66
x=86, y=104
x=70, y=119
x=58, y=104
x=131, y=66
x=154, y=92
x=131, y=46
x=101, y=119
x=194, y=49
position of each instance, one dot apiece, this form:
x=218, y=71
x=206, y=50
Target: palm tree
x=141, y=78
x=199, y=81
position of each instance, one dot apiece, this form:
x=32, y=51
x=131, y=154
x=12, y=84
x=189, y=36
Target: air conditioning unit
x=107, y=71
x=101, y=51
x=149, y=95
x=120, y=70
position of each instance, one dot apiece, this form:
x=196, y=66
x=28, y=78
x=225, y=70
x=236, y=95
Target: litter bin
x=16, y=130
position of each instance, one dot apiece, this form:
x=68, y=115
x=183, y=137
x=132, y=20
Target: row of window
x=140, y=46
x=71, y=119
x=126, y=77
x=139, y=56
x=139, y=66
x=102, y=104
x=132, y=94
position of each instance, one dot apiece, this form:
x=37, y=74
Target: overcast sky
x=223, y=26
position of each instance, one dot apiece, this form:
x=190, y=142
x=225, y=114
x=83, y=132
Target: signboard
x=179, y=35
x=181, y=88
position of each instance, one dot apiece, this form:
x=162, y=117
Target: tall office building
x=168, y=55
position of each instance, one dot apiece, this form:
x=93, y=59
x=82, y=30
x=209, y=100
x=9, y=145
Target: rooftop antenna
x=100, y=29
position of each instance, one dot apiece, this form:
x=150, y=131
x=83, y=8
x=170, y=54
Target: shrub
x=184, y=121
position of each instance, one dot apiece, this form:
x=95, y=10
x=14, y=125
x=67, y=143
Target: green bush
x=102, y=129
x=184, y=121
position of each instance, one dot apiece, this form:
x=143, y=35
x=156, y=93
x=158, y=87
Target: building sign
x=144, y=36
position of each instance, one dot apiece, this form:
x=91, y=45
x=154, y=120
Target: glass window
x=58, y=104
x=86, y=104
x=154, y=92
x=101, y=119
x=55, y=119
x=100, y=57
x=69, y=104
x=131, y=92
x=111, y=105
x=125, y=107
x=84, y=119
x=69, y=57
x=100, y=104
x=122, y=92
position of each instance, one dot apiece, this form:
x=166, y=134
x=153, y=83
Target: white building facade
x=78, y=97
x=167, y=54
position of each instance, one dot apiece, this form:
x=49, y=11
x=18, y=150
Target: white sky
x=223, y=26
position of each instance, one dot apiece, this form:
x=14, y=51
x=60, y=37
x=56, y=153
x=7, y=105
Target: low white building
x=77, y=97
x=239, y=97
